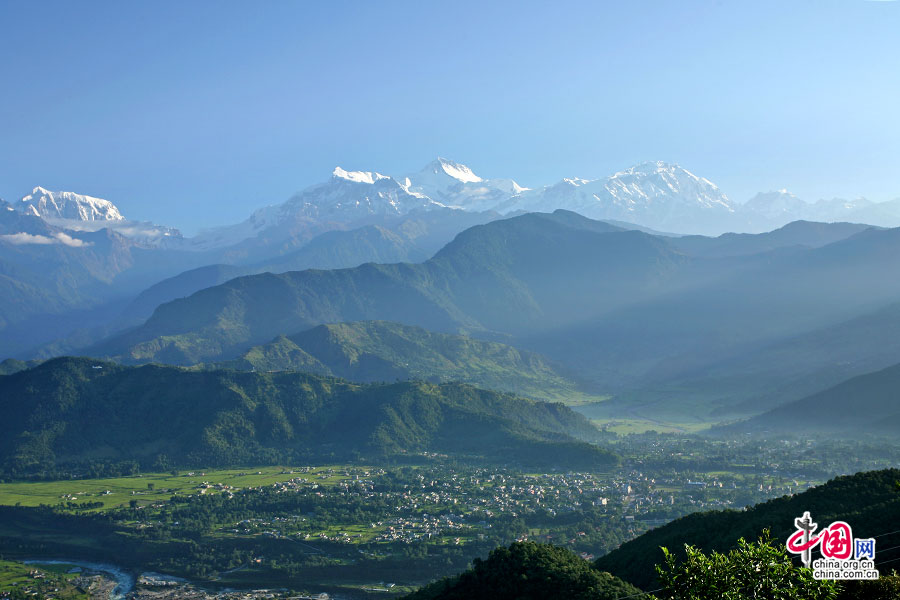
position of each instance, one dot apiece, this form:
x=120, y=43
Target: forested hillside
x=869, y=502
x=369, y=351
x=71, y=411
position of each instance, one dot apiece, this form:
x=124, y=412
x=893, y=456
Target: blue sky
x=193, y=114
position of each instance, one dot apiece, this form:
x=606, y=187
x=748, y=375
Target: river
x=124, y=580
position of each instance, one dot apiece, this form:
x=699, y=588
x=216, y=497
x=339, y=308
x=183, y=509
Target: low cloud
x=21, y=239
x=68, y=240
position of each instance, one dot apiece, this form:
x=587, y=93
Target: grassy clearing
x=119, y=491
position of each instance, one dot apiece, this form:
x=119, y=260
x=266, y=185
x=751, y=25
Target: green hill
x=370, y=351
x=71, y=411
x=869, y=502
x=12, y=365
x=527, y=570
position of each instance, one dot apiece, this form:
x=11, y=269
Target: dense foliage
x=528, y=571
x=886, y=587
x=760, y=571
x=870, y=502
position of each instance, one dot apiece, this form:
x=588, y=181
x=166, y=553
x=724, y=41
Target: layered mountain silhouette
x=622, y=308
x=861, y=406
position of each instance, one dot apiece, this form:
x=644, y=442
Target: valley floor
x=358, y=530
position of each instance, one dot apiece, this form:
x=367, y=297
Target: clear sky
x=193, y=114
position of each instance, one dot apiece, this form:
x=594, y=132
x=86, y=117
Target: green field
x=624, y=426
x=21, y=580
x=119, y=491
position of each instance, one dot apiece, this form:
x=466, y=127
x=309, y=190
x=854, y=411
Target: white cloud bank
x=20, y=239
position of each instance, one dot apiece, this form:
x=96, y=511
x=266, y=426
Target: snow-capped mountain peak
x=43, y=203
x=454, y=184
x=660, y=181
x=358, y=176
x=656, y=194
x=452, y=169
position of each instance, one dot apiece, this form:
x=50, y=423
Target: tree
x=529, y=571
x=762, y=571
x=885, y=588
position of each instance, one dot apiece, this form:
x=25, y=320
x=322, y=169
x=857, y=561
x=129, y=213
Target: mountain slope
x=412, y=238
x=867, y=404
x=502, y=276
x=52, y=276
x=621, y=308
x=726, y=308
x=349, y=198
x=382, y=351
x=72, y=410
x=869, y=502
x=800, y=365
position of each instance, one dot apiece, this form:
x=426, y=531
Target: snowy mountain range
x=78, y=212
x=657, y=195
x=68, y=205
x=653, y=194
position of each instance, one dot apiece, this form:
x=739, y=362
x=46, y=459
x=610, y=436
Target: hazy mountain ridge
x=598, y=305
x=797, y=366
x=477, y=279
x=864, y=405
x=584, y=293
x=50, y=319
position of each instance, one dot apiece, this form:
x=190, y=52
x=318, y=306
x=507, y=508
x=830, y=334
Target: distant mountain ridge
x=439, y=294
x=79, y=212
x=66, y=283
x=592, y=297
x=659, y=195
x=868, y=404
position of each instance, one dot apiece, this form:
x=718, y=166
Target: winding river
x=124, y=580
